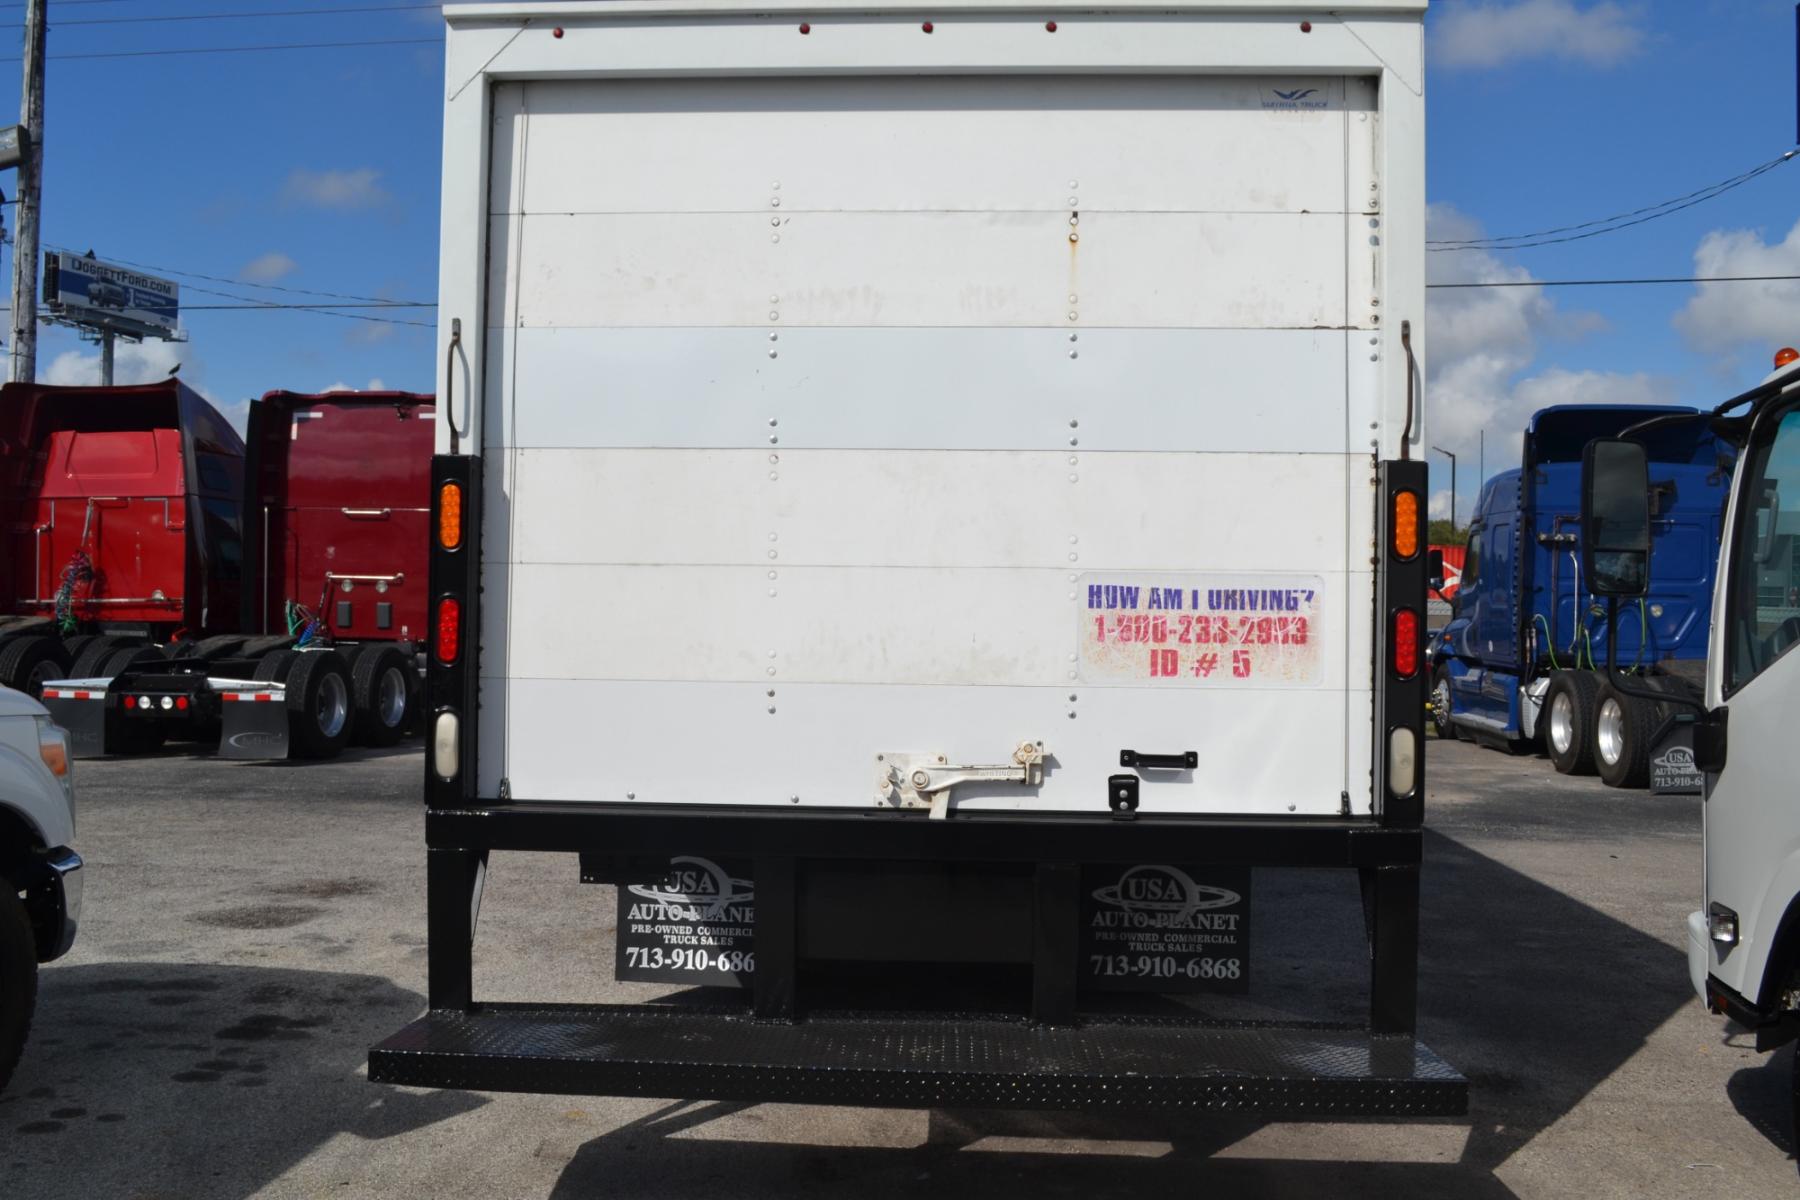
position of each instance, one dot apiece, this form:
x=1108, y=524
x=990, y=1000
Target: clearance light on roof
x=1785, y=355
x=450, y=506
x=1406, y=524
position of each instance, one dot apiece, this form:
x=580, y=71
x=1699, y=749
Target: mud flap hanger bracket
x=925, y=780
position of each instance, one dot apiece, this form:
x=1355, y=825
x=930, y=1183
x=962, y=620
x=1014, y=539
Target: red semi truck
x=168, y=581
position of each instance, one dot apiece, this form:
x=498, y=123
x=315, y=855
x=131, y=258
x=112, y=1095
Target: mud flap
x=255, y=724
x=82, y=711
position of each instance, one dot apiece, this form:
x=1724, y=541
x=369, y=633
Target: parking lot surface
x=251, y=929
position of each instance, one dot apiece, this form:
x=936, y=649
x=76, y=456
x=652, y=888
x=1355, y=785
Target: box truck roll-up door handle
x=925, y=780
x=367, y=514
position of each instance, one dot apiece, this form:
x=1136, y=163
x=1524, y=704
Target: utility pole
x=25, y=247
x=1452, y=459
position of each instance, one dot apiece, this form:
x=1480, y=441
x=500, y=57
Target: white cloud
x=268, y=268
x=353, y=189
x=1482, y=345
x=1485, y=35
x=1725, y=317
x=133, y=362
x=374, y=385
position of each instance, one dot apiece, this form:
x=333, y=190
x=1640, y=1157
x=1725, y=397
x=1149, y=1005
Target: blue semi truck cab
x=1522, y=660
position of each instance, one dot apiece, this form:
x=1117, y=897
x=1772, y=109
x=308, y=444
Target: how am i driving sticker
x=1195, y=630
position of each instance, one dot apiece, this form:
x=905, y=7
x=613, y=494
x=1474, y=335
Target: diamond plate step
x=922, y=1062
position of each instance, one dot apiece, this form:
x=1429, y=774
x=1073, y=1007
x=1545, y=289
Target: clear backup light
x=1403, y=762
x=1722, y=924
x=166, y=703
x=446, y=745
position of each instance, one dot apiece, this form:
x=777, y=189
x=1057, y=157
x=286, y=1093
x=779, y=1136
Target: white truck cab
x=1744, y=942
x=40, y=876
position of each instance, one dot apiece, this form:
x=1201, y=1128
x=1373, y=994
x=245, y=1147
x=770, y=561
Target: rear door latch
x=925, y=780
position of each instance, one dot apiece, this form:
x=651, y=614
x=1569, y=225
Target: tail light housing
x=1405, y=536
x=448, y=629
x=1405, y=643
x=450, y=516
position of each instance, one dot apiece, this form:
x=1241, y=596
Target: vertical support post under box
x=1392, y=900
x=453, y=883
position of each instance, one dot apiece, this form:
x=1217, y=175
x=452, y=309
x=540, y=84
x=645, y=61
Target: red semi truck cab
x=339, y=500
x=123, y=519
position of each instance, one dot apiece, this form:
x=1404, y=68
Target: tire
x=1440, y=703
x=273, y=666
x=27, y=663
x=73, y=646
x=1622, y=729
x=1569, y=721
x=385, y=689
x=320, y=711
x=18, y=979
x=93, y=655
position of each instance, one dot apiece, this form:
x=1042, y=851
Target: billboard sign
x=83, y=290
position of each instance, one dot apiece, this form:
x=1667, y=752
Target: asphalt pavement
x=251, y=929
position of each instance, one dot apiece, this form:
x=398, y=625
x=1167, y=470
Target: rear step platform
x=922, y=1062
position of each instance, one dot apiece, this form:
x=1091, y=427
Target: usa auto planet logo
x=1164, y=890
x=1295, y=99
x=699, y=885
x=1675, y=758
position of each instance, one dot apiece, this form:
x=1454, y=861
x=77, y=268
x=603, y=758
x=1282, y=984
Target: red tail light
x=449, y=629
x=1406, y=643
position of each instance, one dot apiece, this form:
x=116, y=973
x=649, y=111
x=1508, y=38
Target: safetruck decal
x=1193, y=630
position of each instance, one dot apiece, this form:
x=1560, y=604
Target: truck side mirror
x=1615, y=518
x=1434, y=570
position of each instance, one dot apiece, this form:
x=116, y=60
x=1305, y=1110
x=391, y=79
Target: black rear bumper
x=910, y=1061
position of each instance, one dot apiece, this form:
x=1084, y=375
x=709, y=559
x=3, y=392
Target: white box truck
x=931, y=493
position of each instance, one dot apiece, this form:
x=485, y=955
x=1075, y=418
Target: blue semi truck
x=1522, y=661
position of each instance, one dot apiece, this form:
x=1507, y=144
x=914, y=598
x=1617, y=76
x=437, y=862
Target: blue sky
x=318, y=169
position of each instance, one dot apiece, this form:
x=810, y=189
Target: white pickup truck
x=40, y=877
x=927, y=493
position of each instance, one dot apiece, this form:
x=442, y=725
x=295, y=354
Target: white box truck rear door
x=830, y=419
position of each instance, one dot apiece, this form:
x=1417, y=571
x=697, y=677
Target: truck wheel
x=1622, y=728
x=27, y=663
x=319, y=707
x=1440, y=703
x=385, y=688
x=1569, y=722
x=18, y=979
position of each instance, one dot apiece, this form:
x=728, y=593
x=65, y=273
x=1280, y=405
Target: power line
x=1506, y=283
x=1612, y=224
x=243, y=49
x=272, y=287
x=250, y=302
